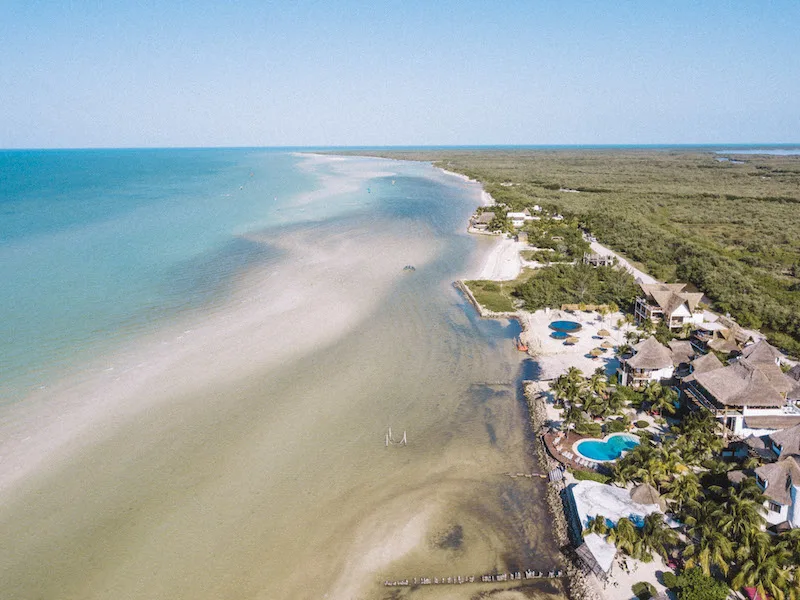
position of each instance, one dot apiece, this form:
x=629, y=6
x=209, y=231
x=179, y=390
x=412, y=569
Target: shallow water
x=253, y=471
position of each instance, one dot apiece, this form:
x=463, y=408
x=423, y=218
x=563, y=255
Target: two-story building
x=668, y=302
x=749, y=396
x=780, y=482
x=651, y=361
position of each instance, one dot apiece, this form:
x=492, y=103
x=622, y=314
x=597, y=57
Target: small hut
x=604, y=333
x=647, y=494
x=571, y=341
x=607, y=345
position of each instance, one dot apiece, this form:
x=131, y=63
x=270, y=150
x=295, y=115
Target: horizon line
x=740, y=145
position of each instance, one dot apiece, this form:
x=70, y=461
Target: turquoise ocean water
x=98, y=246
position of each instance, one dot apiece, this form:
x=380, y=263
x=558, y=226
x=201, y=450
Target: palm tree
x=597, y=525
x=631, y=336
x=660, y=398
x=559, y=389
x=709, y=547
x=657, y=536
x=742, y=518
x=625, y=537
x=766, y=570
x=572, y=416
x=598, y=383
x=574, y=375
x=685, y=490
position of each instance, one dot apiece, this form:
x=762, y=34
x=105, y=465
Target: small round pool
x=559, y=335
x=567, y=326
x=611, y=448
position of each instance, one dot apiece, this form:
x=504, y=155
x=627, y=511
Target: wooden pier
x=492, y=578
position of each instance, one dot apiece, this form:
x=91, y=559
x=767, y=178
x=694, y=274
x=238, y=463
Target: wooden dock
x=491, y=578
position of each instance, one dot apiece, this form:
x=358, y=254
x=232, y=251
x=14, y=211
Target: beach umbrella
x=597, y=352
x=604, y=333
x=571, y=340
x=607, y=345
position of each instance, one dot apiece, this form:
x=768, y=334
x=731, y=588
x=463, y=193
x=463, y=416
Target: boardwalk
x=491, y=578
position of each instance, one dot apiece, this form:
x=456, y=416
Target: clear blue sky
x=84, y=73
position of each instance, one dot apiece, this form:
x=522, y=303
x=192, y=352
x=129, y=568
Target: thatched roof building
x=740, y=384
x=647, y=494
x=779, y=478
x=703, y=364
x=682, y=352
x=650, y=355
x=787, y=441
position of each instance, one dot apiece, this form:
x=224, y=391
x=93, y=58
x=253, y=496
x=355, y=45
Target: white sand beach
x=502, y=262
x=554, y=357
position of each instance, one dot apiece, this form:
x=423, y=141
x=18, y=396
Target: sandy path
x=637, y=274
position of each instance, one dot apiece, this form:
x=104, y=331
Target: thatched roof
x=604, y=333
x=670, y=296
x=724, y=345
x=650, y=355
x=754, y=442
x=777, y=475
x=608, y=345
x=704, y=364
x=771, y=422
x=485, y=218
x=647, y=494
x=740, y=384
x=788, y=440
x=682, y=352
x=762, y=353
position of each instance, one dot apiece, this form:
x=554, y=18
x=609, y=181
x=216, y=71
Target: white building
x=668, y=302
x=591, y=499
x=750, y=396
x=780, y=482
x=652, y=361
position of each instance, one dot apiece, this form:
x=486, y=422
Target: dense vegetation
x=556, y=285
x=732, y=228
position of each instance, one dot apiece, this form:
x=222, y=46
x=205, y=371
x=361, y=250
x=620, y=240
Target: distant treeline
x=730, y=228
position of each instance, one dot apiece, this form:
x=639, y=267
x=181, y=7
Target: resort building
x=750, y=396
x=652, y=361
x=598, y=260
x=722, y=335
x=590, y=499
x=481, y=222
x=780, y=482
x=668, y=302
x=779, y=479
x=518, y=219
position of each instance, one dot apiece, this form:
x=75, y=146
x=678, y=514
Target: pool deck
x=561, y=449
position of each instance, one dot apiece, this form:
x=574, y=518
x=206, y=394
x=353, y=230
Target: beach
x=239, y=451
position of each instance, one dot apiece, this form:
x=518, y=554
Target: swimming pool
x=611, y=448
x=559, y=335
x=565, y=326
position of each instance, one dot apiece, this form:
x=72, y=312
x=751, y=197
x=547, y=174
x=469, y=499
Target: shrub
x=615, y=426
x=590, y=429
x=694, y=585
x=642, y=424
x=591, y=476
x=644, y=590
x=670, y=579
